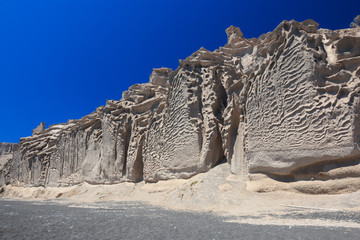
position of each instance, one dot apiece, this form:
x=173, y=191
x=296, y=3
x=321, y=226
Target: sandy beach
x=216, y=191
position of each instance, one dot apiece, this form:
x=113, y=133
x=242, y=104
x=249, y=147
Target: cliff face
x=285, y=104
x=6, y=156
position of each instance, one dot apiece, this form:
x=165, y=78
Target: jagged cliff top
x=236, y=44
x=284, y=104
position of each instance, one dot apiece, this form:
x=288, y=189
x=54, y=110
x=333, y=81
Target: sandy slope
x=220, y=192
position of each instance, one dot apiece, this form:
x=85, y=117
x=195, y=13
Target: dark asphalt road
x=52, y=220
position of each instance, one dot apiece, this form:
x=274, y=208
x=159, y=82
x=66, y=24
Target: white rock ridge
x=285, y=104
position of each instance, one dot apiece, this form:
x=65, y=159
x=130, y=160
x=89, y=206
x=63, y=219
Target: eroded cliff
x=285, y=104
x=6, y=156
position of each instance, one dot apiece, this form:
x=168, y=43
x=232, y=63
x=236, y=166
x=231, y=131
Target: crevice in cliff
x=139, y=164
x=43, y=171
x=126, y=144
x=233, y=131
x=30, y=162
x=218, y=148
x=115, y=145
x=222, y=98
x=135, y=168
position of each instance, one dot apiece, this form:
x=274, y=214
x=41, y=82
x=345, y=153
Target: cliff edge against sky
x=285, y=104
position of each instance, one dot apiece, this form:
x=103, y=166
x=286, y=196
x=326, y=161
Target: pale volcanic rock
x=39, y=129
x=234, y=35
x=160, y=76
x=301, y=108
x=285, y=104
x=6, y=156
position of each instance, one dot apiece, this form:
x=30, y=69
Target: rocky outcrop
x=39, y=129
x=285, y=104
x=302, y=107
x=6, y=156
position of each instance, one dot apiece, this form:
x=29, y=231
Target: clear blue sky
x=60, y=59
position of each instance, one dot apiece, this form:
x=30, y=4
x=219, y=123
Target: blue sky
x=60, y=59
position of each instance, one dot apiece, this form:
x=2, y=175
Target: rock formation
x=6, y=156
x=39, y=129
x=285, y=104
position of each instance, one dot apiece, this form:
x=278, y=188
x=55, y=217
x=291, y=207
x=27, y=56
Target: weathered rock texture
x=39, y=129
x=285, y=104
x=6, y=156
